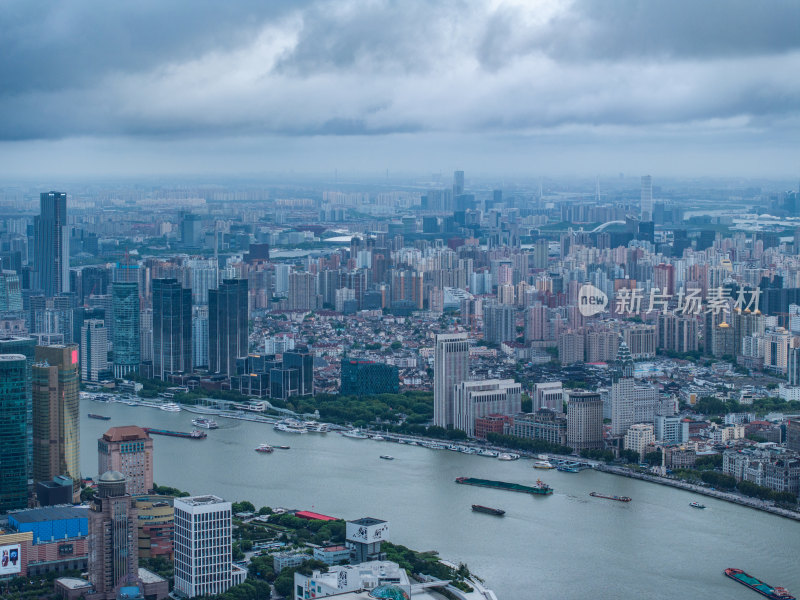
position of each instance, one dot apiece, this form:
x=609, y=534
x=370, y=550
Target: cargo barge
x=101, y=417
x=617, y=498
x=498, y=512
x=540, y=489
x=766, y=590
x=194, y=435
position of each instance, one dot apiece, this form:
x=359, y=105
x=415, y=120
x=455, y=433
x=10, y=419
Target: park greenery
x=728, y=483
x=709, y=405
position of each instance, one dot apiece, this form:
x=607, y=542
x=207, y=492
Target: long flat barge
x=617, y=498
x=766, y=590
x=193, y=435
x=540, y=489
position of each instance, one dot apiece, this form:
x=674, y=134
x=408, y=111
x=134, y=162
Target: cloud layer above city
x=613, y=79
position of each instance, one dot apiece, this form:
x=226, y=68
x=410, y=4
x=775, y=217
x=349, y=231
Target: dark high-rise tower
x=51, y=244
x=125, y=309
x=458, y=183
x=14, y=395
x=172, y=328
x=227, y=326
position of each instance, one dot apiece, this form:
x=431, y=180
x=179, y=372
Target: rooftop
x=200, y=500
x=367, y=521
x=50, y=513
x=307, y=514
x=73, y=583
x=149, y=577
x=125, y=433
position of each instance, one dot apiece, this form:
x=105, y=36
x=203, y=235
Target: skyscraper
x=10, y=292
x=458, y=183
x=51, y=244
x=172, y=328
x=584, y=420
x=56, y=422
x=200, y=337
x=125, y=309
x=647, y=198
x=26, y=346
x=203, y=564
x=450, y=367
x=113, y=539
x=303, y=363
x=94, y=350
x=129, y=450
x=499, y=323
x=14, y=394
x=227, y=326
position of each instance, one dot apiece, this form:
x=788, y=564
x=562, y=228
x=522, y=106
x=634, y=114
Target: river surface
x=564, y=546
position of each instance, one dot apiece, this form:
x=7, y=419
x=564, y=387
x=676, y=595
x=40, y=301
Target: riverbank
x=703, y=491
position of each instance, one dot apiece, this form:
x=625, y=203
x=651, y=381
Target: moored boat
x=539, y=489
x=171, y=407
x=205, y=423
x=101, y=417
x=356, y=434
x=488, y=510
x=290, y=426
x=774, y=593
x=617, y=498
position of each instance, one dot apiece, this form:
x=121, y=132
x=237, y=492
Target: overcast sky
x=677, y=87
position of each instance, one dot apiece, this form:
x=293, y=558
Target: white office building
x=203, y=565
x=450, y=367
x=94, y=349
x=639, y=437
x=476, y=399
x=671, y=429
x=549, y=395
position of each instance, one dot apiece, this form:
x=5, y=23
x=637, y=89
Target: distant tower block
x=647, y=198
x=363, y=537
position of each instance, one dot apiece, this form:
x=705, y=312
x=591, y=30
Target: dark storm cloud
x=53, y=45
x=197, y=68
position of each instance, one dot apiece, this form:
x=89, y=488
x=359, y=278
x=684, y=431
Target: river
x=564, y=546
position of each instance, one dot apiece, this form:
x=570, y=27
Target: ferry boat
x=101, y=417
x=356, y=434
x=205, y=423
x=617, y=498
x=543, y=464
x=508, y=456
x=196, y=434
x=171, y=407
x=378, y=438
x=540, y=489
x=766, y=590
x=387, y=457
x=489, y=453
x=697, y=505
x=488, y=510
x=314, y=427
x=265, y=448
x=290, y=426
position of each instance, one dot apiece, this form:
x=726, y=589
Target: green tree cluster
x=526, y=444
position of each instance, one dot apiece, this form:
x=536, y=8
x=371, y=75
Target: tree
x=653, y=458
x=244, y=506
x=630, y=455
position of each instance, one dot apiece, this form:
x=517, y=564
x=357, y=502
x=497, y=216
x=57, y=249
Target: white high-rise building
x=476, y=399
x=647, y=198
x=639, y=437
x=622, y=405
x=203, y=565
x=282, y=279
x=94, y=349
x=450, y=367
x=549, y=395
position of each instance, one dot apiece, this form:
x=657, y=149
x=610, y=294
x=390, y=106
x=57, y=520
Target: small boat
x=205, y=423
x=356, y=434
x=489, y=453
x=387, y=457
x=101, y=417
x=265, y=448
x=290, y=426
x=617, y=498
x=566, y=469
x=314, y=427
x=378, y=438
x=697, y=505
x=774, y=593
x=488, y=510
x=171, y=407
x=281, y=447
x=543, y=464
x=508, y=456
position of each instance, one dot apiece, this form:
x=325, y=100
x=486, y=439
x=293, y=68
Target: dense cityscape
x=484, y=300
